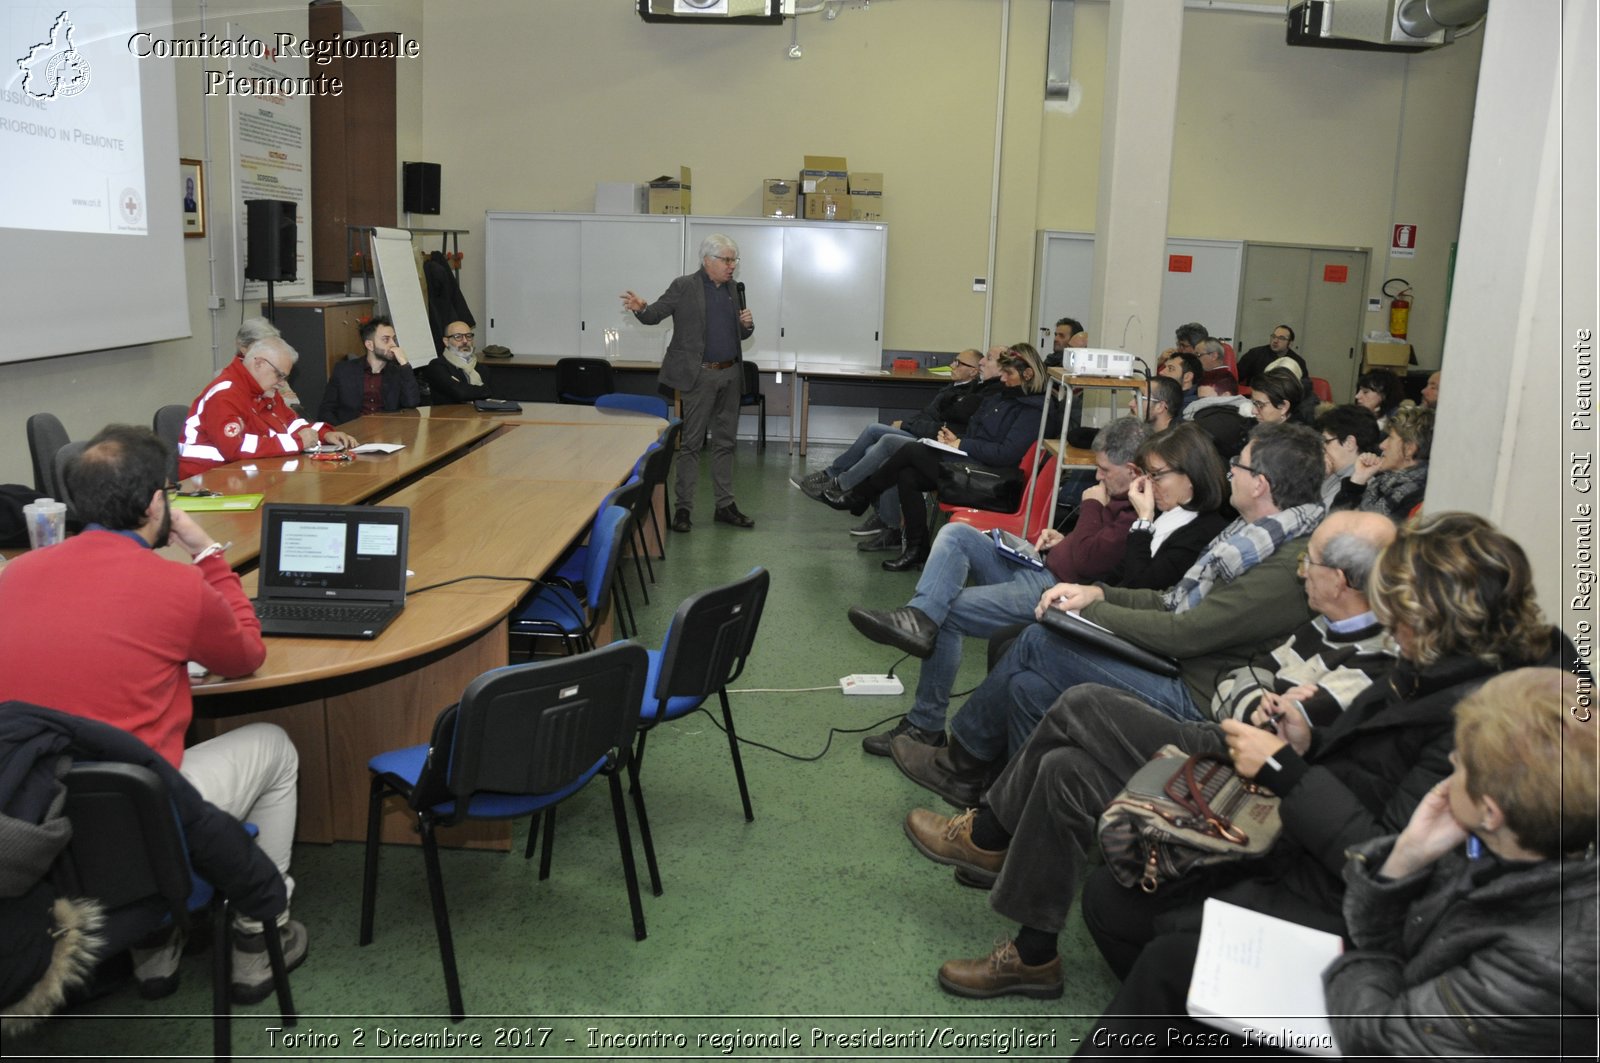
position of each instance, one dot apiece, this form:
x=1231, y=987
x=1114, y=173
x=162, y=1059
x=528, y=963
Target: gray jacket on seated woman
x=1474, y=928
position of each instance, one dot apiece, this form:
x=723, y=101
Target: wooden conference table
x=489, y=494
x=854, y=386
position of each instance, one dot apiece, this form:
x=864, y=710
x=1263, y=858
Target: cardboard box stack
x=825, y=188
x=866, y=196
x=669, y=195
x=1395, y=356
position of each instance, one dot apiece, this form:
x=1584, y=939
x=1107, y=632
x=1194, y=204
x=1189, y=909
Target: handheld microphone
x=738, y=286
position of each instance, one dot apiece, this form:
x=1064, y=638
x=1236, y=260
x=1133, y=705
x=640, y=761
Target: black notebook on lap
x=331, y=571
x=1078, y=629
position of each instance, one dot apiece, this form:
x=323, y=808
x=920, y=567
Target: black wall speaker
x=270, y=240
x=421, y=187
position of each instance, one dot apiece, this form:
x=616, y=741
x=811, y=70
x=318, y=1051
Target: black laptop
x=331, y=571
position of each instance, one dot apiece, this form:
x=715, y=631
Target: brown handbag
x=1182, y=812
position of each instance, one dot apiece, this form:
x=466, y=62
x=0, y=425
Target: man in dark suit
x=1254, y=362
x=702, y=363
x=380, y=382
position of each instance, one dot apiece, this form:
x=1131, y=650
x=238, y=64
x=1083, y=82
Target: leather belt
x=716, y=365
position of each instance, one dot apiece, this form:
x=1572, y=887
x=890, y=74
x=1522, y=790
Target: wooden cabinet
x=324, y=331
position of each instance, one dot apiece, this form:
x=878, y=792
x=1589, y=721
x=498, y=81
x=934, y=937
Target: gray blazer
x=685, y=302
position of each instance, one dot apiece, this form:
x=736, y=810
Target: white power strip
x=871, y=684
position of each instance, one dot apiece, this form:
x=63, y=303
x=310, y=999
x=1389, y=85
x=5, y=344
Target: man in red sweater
x=100, y=626
x=242, y=415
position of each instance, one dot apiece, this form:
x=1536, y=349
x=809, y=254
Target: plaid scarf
x=1242, y=546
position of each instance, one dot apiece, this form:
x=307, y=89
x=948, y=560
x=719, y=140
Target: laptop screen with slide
x=342, y=555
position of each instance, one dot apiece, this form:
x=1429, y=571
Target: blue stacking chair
x=522, y=739
x=570, y=570
x=705, y=649
x=564, y=613
x=621, y=400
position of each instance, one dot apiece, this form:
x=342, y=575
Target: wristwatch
x=1142, y=525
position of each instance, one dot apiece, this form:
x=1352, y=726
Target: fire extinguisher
x=1399, y=307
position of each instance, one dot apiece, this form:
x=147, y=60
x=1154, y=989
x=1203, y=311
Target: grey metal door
x=1317, y=291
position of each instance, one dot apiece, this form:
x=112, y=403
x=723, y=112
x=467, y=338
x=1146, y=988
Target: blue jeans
x=858, y=450
x=1003, y=593
x=1040, y=667
x=886, y=443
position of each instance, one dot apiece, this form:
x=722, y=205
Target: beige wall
x=527, y=103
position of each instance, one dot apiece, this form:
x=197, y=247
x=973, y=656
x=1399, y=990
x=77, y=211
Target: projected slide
x=70, y=127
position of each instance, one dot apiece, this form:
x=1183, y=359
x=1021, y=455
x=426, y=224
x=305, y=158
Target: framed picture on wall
x=191, y=178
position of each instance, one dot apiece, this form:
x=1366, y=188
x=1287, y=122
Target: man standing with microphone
x=709, y=321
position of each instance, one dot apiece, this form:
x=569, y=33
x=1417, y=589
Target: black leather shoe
x=852, y=501
x=912, y=556
x=905, y=628
x=951, y=772
x=888, y=539
x=681, y=522
x=729, y=514
x=878, y=744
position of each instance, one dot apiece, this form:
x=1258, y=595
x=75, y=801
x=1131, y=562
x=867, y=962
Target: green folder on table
x=216, y=503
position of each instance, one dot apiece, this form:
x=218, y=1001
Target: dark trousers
x=910, y=471
x=1052, y=793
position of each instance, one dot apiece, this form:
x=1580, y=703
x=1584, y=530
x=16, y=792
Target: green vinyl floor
x=813, y=932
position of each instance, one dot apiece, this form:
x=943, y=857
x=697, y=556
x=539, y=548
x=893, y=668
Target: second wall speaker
x=270, y=239
x=421, y=187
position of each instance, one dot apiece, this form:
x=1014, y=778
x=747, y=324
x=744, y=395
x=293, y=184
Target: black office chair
x=168, y=424
x=64, y=458
x=705, y=649
x=522, y=739
x=751, y=396
x=46, y=436
x=128, y=853
x=579, y=381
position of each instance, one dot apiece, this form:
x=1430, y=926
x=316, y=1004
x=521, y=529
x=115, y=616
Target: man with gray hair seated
x=709, y=322
x=253, y=330
x=1003, y=593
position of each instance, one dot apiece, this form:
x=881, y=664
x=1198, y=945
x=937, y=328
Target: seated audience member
x=1222, y=413
x=380, y=381
x=100, y=626
x=1239, y=600
x=1347, y=432
x=1213, y=356
x=1278, y=397
x=1186, y=369
x=251, y=331
x=1041, y=814
x=998, y=435
x=944, y=607
x=1393, y=481
x=1430, y=392
x=1502, y=940
x=454, y=376
x=1187, y=336
x=974, y=377
x=1458, y=597
x=1164, y=405
x=241, y=415
x=1255, y=361
x=1381, y=392
x=1069, y=333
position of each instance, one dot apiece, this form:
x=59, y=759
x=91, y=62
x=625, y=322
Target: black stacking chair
x=580, y=381
x=750, y=395
x=46, y=436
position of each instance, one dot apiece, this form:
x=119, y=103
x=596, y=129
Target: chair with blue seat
x=129, y=854
x=579, y=381
x=521, y=739
x=654, y=405
x=656, y=472
x=561, y=612
x=705, y=649
x=571, y=569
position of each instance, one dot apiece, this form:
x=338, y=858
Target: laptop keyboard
x=332, y=611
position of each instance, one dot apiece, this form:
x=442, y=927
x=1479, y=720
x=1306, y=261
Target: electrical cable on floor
x=796, y=756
